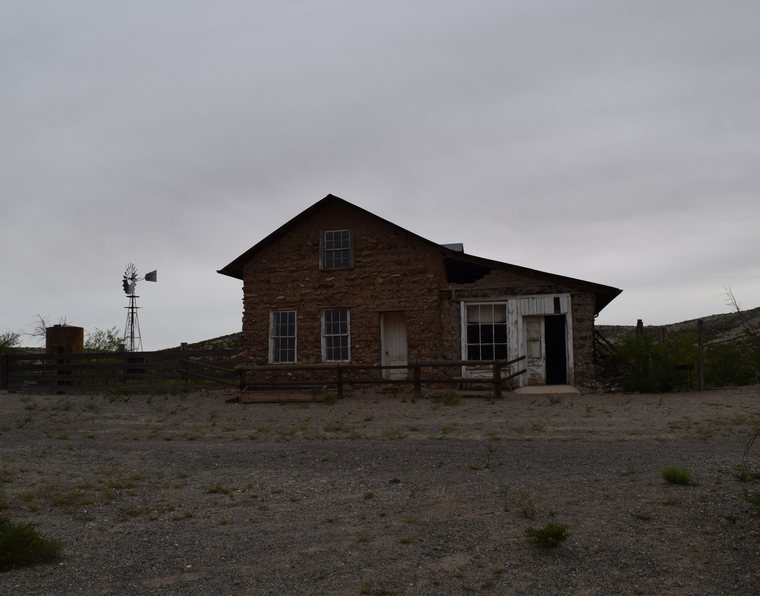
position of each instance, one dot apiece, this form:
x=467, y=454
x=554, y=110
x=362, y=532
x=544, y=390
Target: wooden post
x=339, y=370
x=700, y=361
x=417, y=380
x=4, y=369
x=497, y=380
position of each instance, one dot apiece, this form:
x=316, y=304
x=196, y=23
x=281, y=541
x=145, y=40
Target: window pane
x=473, y=314
x=500, y=313
x=486, y=314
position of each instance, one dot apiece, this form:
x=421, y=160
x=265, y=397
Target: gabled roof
x=604, y=294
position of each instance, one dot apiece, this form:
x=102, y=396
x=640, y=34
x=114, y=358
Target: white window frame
x=326, y=335
x=274, y=352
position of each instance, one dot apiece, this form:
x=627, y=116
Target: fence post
x=417, y=374
x=700, y=361
x=4, y=371
x=497, y=380
x=340, y=381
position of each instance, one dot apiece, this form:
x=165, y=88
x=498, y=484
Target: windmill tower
x=132, y=338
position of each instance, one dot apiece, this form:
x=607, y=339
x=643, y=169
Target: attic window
x=462, y=272
x=336, y=249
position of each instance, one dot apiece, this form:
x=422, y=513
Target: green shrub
x=653, y=365
x=676, y=475
x=22, y=545
x=549, y=536
x=729, y=365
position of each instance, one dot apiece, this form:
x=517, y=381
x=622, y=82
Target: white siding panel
x=517, y=308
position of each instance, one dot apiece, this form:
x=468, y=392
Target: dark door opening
x=556, y=350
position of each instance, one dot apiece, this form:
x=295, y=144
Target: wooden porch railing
x=248, y=383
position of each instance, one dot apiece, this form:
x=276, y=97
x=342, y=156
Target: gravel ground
x=380, y=494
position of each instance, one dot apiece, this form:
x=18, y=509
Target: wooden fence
x=118, y=371
x=316, y=376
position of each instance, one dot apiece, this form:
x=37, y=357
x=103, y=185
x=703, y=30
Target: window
x=486, y=331
x=282, y=336
x=335, y=335
x=336, y=249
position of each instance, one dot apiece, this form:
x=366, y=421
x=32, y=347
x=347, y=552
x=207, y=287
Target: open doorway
x=556, y=349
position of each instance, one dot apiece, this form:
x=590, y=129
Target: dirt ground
x=381, y=493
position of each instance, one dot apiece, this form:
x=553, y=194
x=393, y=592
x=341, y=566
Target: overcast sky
x=612, y=141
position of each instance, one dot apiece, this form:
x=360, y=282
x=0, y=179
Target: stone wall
x=393, y=271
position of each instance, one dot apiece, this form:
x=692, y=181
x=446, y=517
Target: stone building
x=339, y=284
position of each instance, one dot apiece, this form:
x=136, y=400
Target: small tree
x=9, y=341
x=41, y=323
x=750, y=348
x=103, y=340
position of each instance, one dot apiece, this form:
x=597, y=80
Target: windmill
x=132, y=339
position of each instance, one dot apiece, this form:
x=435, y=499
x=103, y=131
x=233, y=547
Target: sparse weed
x=676, y=475
x=450, y=398
x=392, y=434
x=550, y=536
x=22, y=545
x=218, y=489
x=521, y=500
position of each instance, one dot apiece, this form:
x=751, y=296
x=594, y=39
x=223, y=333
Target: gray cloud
x=608, y=141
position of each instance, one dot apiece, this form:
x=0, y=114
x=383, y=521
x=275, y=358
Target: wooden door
x=534, y=350
x=393, y=344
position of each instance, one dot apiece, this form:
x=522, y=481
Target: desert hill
x=717, y=328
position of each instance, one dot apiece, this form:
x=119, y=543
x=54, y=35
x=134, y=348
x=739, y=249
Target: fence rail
x=339, y=375
x=96, y=371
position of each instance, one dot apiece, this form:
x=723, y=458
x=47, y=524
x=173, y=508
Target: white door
x=534, y=350
x=393, y=344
